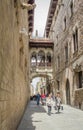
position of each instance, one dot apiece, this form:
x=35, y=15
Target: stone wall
x=62, y=37
x=79, y=98
x=14, y=81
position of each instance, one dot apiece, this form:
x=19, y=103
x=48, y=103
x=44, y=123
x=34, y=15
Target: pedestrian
x=58, y=101
x=38, y=98
x=43, y=99
x=49, y=103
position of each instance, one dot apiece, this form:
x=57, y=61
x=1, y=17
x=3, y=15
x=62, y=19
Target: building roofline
x=31, y=16
x=51, y=12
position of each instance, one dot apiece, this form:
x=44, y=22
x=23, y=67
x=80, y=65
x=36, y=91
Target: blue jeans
x=38, y=101
x=49, y=110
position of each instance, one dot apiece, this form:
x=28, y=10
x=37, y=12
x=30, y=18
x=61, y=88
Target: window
x=80, y=75
x=58, y=83
x=65, y=23
x=71, y=8
x=25, y=63
x=66, y=53
x=75, y=40
x=21, y=57
x=33, y=59
x=41, y=58
x=48, y=59
x=15, y=3
x=58, y=62
x=57, y=39
x=25, y=69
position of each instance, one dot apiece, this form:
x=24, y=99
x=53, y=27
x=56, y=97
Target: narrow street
x=36, y=118
x=41, y=57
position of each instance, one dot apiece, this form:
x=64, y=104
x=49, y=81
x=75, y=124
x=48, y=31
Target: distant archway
x=67, y=92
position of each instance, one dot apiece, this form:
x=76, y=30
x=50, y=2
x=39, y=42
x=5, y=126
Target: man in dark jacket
x=38, y=98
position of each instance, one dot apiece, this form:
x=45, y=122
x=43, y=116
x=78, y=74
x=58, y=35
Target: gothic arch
x=41, y=58
x=49, y=59
x=40, y=75
x=33, y=59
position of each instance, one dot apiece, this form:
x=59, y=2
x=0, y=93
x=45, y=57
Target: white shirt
x=49, y=101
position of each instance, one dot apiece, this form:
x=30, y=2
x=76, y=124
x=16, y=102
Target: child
x=49, y=104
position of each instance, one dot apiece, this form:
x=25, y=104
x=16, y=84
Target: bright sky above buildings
x=40, y=16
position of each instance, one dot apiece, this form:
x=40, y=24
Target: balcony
x=41, y=67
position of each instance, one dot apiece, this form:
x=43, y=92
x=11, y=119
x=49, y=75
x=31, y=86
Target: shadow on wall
x=27, y=120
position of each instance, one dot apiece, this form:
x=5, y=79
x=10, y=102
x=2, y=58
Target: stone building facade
x=65, y=28
x=14, y=66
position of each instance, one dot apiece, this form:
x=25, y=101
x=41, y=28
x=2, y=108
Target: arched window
x=33, y=59
x=75, y=39
x=49, y=59
x=41, y=58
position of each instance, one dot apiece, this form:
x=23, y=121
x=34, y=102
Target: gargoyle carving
x=28, y=6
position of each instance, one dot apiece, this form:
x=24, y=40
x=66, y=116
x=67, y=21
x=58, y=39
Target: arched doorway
x=67, y=92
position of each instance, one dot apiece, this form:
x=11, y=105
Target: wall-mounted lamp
x=28, y=6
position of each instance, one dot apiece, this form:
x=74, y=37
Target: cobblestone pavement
x=36, y=118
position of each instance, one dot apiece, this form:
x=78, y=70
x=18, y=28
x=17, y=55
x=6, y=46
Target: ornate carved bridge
x=41, y=58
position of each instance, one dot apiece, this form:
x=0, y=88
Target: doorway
x=67, y=92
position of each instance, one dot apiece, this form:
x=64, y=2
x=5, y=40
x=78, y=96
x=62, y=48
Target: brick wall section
x=14, y=81
x=65, y=70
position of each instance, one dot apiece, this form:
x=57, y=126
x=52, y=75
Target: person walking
x=38, y=98
x=43, y=99
x=49, y=104
x=58, y=101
